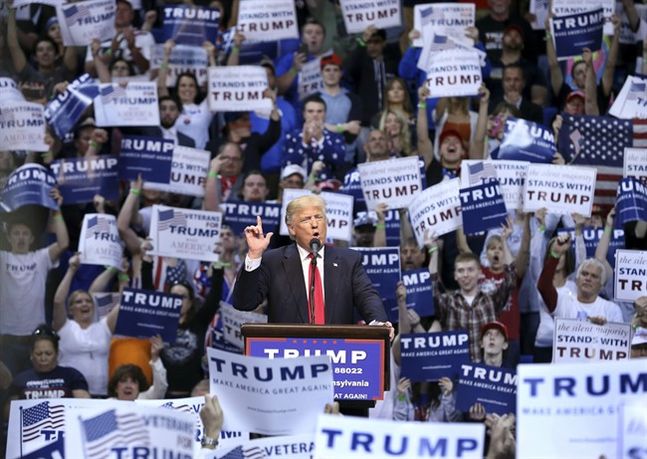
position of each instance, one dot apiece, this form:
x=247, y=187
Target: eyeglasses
x=231, y=158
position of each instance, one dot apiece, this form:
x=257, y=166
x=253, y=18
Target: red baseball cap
x=495, y=324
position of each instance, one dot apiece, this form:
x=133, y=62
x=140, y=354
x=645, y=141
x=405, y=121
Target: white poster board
x=582, y=341
x=238, y=89
x=436, y=210
x=393, y=181
x=99, y=242
x=630, y=275
x=562, y=190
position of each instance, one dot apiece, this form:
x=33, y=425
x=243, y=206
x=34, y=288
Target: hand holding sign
x=257, y=242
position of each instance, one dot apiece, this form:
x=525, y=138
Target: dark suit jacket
x=529, y=110
x=280, y=280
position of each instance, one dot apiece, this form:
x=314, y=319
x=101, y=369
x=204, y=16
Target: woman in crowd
x=129, y=383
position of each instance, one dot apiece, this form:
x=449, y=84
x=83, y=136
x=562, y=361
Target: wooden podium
x=359, y=354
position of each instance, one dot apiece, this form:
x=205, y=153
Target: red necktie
x=319, y=313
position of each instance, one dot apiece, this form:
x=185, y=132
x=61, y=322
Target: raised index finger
x=259, y=223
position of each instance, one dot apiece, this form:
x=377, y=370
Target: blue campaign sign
x=431, y=356
x=382, y=264
x=592, y=237
x=190, y=25
x=357, y=364
x=574, y=32
x=482, y=207
x=152, y=157
x=65, y=110
x=495, y=388
x=240, y=214
x=79, y=179
x=524, y=140
x=631, y=201
x=420, y=295
x=145, y=313
x=29, y=184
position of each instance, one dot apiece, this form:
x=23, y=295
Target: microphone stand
x=313, y=270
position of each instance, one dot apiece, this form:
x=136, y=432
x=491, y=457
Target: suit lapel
x=295, y=281
x=331, y=282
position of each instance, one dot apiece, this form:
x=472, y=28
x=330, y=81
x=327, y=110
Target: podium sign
x=359, y=354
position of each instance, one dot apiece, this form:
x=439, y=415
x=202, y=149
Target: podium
x=359, y=354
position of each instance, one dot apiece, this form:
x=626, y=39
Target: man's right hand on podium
x=257, y=242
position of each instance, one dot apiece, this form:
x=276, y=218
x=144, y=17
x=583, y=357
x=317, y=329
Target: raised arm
x=425, y=145
x=612, y=57
x=545, y=284
x=477, y=148
x=162, y=76
x=59, y=314
x=379, y=237
x=212, y=197
x=128, y=214
x=632, y=14
x=523, y=256
x=18, y=57
x=591, y=106
x=57, y=226
x=556, y=76
x=234, y=55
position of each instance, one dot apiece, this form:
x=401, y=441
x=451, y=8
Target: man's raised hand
x=257, y=242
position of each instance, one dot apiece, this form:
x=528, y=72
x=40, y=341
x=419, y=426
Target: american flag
x=110, y=93
x=41, y=416
x=600, y=141
x=75, y=12
x=107, y=430
x=185, y=407
x=168, y=218
x=245, y=452
x=480, y=172
x=97, y=224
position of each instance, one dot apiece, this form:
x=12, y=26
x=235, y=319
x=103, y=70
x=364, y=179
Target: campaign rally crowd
x=148, y=149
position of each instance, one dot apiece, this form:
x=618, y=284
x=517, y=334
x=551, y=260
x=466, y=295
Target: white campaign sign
x=188, y=172
x=562, y=190
x=582, y=341
x=310, y=79
x=511, y=176
x=393, y=181
x=630, y=275
x=354, y=437
x=22, y=126
x=185, y=233
x=99, y=242
x=635, y=163
x=571, y=410
x=128, y=427
x=132, y=105
x=359, y=14
x=566, y=7
x=437, y=210
x=632, y=99
x=288, y=195
x=270, y=396
x=539, y=8
x=232, y=319
x=238, y=89
x=41, y=422
x=454, y=73
x=269, y=20
x=9, y=91
x=288, y=446
x=192, y=406
x=632, y=429
x=339, y=212
x=82, y=22
x=444, y=18
x=183, y=59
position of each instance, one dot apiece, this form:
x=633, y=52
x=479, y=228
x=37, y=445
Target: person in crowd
x=84, y=342
x=254, y=187
x=514, y=82
x=46, y=378
x=128, y=382
x=396, y=99
x=639, y=343
x=23, y=275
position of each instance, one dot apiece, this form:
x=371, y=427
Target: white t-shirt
x=22, y=291
x=546, y=328
x=569, y=307
x=194, y=122
x=87, y=351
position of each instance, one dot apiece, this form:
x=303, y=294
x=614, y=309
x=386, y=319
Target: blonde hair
x=405, y=131
x=75, y=294
x=297, y=205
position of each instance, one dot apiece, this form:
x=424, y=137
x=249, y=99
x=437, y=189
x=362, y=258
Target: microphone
x=315, y=245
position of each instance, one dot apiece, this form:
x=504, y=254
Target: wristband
x=234, y=49
x=212, y=174
x=293, y=71
x=361, y=42
x=340, y=129
x=164, y=65
x=541, y=228
x=555, y=254
x=94, y=144
x=432, y=249
x=57, y=215
x=208, y=442
x=135, y=191
x=422, y=104
x=112, y=269
x=608, y=229
x=123, y=277
x=380, y=225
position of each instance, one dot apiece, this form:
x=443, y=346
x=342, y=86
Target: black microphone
x=315, y=245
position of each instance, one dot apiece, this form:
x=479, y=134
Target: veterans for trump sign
x=269, y=20
x=436, y=210
x=449, y=19
x=99, y=242
x=632, y=99
x=575, y=406
x=562, y=190
x=396, y=181
x=454, y=72
x=185, y=233
x=510, y=174
x=238, y=89
x=630, y=275
x=22, y=126
x=582, y=341
x=360, y=14
x=134, y=104
x=82, y=22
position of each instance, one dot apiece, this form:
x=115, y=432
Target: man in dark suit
x=281, y=275
x=514, y=82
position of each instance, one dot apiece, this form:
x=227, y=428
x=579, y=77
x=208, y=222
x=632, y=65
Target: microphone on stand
x=315, y=245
